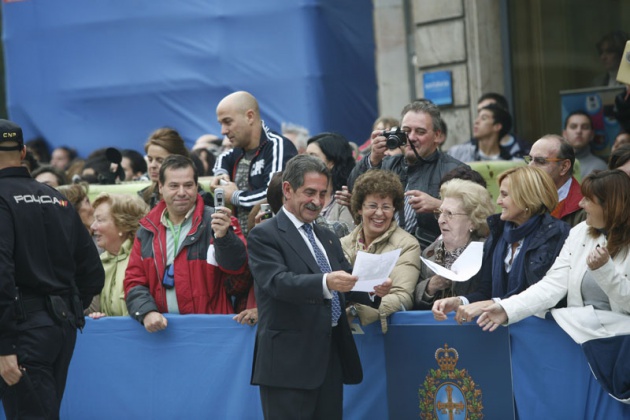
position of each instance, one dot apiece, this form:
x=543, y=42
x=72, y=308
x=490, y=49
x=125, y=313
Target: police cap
x=10, y=132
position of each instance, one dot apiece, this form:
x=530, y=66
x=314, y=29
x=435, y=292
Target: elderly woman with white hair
x=462, y=219
x=523, y=243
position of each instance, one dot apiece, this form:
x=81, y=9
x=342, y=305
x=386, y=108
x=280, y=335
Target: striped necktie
x=410, y=217
x=322, y=262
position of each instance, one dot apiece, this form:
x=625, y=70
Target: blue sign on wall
x=438, y=87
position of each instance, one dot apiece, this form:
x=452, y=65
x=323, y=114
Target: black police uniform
x=49, y=272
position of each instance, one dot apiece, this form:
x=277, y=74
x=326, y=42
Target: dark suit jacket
x=294, y=320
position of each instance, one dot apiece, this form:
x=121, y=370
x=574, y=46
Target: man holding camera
x=420, y=167
x=49, y=272
x=183, y=253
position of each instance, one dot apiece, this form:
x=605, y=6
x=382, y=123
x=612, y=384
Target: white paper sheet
x=373, y=269
x=467, y=265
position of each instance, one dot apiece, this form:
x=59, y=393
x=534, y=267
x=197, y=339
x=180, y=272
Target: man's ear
x=250, y=116
x=286, y=190
x=439, y=138
x=565, y=166
x=23, y=153
x=497, y=127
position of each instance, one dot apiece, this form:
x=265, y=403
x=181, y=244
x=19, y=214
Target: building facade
x=528, y=51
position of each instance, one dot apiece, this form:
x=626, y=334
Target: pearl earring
x=120, y=234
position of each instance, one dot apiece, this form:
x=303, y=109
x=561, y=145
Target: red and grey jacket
x=201, y=287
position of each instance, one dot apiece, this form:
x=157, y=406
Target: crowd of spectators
x=560, y=239
x=410, y=196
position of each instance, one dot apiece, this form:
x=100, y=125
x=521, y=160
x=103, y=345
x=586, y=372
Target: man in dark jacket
x=258, y=153
x=420, y=168
x=49, y=272
x=304, y=350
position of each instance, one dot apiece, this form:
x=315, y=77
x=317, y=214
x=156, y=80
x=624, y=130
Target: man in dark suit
x=304, y=347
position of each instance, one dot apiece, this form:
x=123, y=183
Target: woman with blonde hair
x=594, y=264
x=462, y=219
x=592, y=273
x=523, y=243
x=116, y=220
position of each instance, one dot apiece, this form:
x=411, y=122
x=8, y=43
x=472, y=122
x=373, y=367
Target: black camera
x=114, y=157
x=395, y=138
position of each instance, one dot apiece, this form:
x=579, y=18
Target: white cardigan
x=565, y=278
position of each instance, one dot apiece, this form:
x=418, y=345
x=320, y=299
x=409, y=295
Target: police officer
x=49, y=272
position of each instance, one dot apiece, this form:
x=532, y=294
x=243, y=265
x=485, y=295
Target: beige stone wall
x=462, y=36
x=392, y=57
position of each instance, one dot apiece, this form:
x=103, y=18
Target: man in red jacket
x=186, y=258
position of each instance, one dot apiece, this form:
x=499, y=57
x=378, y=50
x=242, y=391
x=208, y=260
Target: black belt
x=38, y=303
x=34, y=304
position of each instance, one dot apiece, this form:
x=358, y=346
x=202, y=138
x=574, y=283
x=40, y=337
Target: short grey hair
x=428, y=107
x=300, y=165
x=301, y=134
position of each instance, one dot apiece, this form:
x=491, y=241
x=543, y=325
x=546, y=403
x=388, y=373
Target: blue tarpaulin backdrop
x=200, y=368
x=108, y=72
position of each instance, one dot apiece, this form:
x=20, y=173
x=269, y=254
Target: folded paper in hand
x=373, y=269
x=467, y=265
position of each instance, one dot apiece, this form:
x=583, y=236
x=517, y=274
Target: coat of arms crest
x=448, y=392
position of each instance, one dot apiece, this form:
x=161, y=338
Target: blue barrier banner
x=93, y=74
x=551, y=378
x=448, y=372
x=200, y=367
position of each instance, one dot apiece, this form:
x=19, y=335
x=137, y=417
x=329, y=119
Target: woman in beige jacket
x=377, y=195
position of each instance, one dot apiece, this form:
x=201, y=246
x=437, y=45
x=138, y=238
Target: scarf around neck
x=507, y=284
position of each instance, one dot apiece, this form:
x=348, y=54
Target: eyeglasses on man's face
x=539, y=160
x=448, y=215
